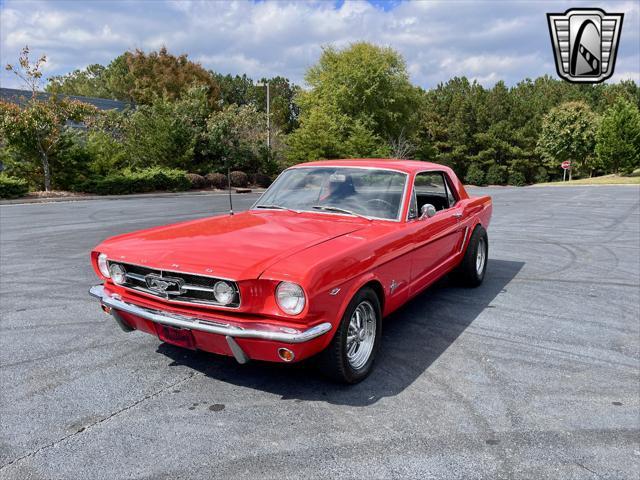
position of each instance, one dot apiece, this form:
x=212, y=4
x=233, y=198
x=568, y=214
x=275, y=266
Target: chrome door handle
x=457, y=215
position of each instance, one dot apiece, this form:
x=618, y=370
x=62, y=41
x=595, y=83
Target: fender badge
x=334, y=291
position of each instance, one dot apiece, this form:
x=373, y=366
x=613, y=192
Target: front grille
x=183, y=287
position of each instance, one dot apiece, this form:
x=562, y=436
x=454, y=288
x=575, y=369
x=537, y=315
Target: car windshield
x=366, y=192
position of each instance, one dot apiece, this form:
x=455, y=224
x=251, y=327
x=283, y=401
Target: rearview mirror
x=427, y=211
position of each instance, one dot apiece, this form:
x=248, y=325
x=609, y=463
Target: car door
x=437, y=238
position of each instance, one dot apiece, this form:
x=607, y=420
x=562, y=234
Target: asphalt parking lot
x=535, y=374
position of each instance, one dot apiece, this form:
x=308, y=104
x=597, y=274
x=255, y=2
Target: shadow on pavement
x=412, y=339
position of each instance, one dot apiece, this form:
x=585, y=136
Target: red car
x=311, y=269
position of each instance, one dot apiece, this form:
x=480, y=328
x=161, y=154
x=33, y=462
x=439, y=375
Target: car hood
x=237, y=247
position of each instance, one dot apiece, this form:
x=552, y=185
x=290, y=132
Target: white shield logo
x=585, y=43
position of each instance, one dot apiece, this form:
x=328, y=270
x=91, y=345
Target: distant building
x=21, y=97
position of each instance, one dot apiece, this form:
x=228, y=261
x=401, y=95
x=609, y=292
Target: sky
x=483, y=40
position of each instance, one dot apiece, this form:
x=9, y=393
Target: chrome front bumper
x=262, y=332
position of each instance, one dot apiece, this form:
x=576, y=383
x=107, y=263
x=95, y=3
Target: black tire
x=468, y=273
x=334, y=361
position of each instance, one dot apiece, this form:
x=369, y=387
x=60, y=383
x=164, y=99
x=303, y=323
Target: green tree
x=165, y=134
x=37, y=130
x=241, y=90
x=362, y=142
x=284, y=110
x=569, y=133
x=90, y=82
x=236, y=138
x=360, y=93
x=138, y=77
x=366, y=83
x=321, y=135
x=156, y=136
x=236, y=89
x=618, y=138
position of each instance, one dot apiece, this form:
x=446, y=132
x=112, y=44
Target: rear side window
x=430, y=183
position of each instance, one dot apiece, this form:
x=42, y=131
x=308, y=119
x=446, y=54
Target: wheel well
x=376, y=286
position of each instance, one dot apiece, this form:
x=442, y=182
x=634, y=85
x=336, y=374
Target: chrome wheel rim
x=361, y=335
x=481, y=257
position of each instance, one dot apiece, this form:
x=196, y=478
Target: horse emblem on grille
x=164, y=286
x=585, y=43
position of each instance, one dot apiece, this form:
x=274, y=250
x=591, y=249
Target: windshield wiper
x=277, y=207
x=339, y=210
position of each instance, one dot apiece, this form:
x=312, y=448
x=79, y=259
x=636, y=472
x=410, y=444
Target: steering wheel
x=386, y=204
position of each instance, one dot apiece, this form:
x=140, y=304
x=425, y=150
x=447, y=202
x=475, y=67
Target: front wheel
x=350, y=355
x=473, y=267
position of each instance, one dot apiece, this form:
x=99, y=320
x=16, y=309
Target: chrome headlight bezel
x=222, y=288
x=290, y=298
x=118, y=274
x=103, y=266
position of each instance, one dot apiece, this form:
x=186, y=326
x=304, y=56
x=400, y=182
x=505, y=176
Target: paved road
x=533, y=375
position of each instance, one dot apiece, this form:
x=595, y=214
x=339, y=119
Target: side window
x=413, y=206
x=450, y=194
x=430, y=187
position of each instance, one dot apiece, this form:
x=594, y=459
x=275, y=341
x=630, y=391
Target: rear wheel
x=473, y=267
x=350, y=355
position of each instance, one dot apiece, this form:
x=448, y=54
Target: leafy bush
x=261, y=180
x=239, y=179
x=517, y=179
x=147, y=180
x=11, y=187
x=496, y=175
x=107, y=153
x=197, y=181
x=541, y=175
x=217, y=180
x=70, y=164
x=475, y=175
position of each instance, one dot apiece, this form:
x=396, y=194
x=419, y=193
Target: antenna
x=229, y=187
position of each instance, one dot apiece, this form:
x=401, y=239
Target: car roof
x=408, y=166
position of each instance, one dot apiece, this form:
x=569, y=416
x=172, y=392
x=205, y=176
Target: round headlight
x=290, y=298
x=118, y=274
x=103, y=266
x=224, y=292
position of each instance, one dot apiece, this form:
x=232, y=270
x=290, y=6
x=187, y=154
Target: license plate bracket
x=180, y=337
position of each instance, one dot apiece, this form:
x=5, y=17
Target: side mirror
x=427, y=211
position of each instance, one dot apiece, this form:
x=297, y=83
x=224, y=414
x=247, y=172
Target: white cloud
x=487, y=41
x=618, y=76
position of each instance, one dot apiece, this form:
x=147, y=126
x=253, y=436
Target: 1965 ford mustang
x=310, y=270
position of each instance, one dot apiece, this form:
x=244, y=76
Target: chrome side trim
x=464, y=239
x=263, y=332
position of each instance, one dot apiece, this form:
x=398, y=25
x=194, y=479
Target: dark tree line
x=357, y=102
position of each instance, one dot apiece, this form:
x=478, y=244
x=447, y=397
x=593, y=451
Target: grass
x=633, y=179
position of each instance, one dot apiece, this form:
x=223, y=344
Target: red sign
x=566, y=164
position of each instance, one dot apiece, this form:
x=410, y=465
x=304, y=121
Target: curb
x=83, y=198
